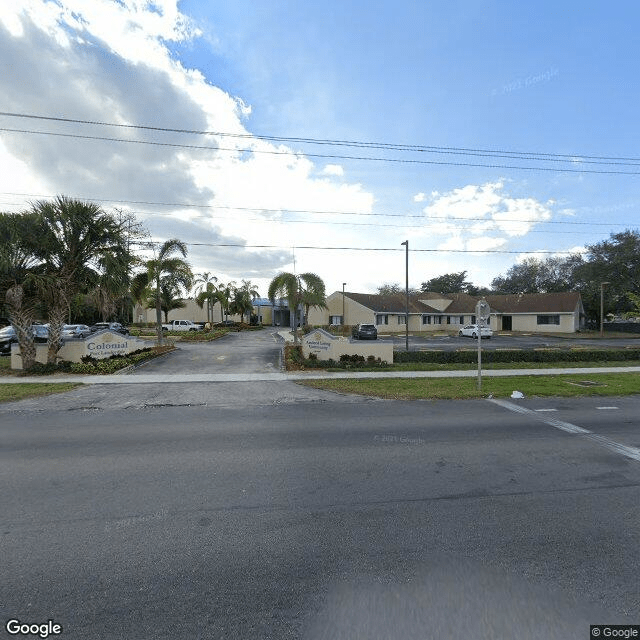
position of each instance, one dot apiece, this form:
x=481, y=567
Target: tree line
x=615, y=262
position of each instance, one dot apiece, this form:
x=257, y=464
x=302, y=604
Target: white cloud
x=333, y=170
x=419, y=197
x=108, y=61
x=469, y=212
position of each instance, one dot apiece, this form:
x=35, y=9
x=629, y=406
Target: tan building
x=428, y=312
x=266, y=312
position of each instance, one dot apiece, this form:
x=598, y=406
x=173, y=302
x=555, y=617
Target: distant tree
x=394, y=288
x=224, y=296
x=615, y=261
x=165, y=268
x=532, y=275
x=206, y=292
x=242, y=299
x=307, y=289
x=450, y=283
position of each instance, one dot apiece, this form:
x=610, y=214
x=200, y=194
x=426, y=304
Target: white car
x=471, y=330
x=75, y=331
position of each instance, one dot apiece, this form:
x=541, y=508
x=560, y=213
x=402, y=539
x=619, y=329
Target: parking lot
x=509, y=341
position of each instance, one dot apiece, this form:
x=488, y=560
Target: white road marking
x=543, y=410
x=622, y=449
x=221, y=357
x=604, y=408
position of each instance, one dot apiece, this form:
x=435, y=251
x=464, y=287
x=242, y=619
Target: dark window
x=426, y=319
x=551, y=319
x=382, y=319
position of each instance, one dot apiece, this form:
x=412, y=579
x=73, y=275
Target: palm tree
x=206, y=292
x=223, y=295
x=75, y=241
x=243, y=297
x=306, y=289
x=161, y=268
x=17, y=264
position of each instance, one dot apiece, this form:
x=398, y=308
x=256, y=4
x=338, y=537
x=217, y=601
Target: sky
x=279, y=135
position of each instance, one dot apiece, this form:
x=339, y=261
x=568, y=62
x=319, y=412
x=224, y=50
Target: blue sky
x=543, y=77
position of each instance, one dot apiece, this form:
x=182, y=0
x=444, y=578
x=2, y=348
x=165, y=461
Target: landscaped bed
x=88, y=365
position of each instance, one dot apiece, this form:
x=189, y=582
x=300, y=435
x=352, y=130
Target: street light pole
x=343, y=318
x=406, y=308
x=602, y=308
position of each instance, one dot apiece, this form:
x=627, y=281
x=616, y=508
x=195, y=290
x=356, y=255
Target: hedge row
x=92, y=365
x=518, y=355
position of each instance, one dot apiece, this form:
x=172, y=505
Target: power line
x=337, y=156
x=329, y=141
x=381, y=249
x=305, y=211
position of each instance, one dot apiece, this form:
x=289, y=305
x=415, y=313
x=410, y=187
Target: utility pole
x=343, y=318
x=406, y=308
x=602, y=284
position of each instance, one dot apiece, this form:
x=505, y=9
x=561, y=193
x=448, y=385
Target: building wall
x=569, y=322
x=449, y=322
x=191, y=312
x=354, y=312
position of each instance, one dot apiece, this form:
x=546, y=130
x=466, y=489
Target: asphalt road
x=331, y=518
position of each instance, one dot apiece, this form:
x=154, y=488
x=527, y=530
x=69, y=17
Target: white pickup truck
x=181, y=325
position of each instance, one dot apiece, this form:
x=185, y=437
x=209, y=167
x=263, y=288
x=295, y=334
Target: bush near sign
x=99, y=345
x=326, y=346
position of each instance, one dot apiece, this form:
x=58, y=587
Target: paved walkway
x=296, y=376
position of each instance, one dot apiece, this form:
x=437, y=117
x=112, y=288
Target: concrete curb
x=298, y=376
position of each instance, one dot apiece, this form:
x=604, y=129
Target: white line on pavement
x=543, y=410
x=622, y=449
x=604, y=408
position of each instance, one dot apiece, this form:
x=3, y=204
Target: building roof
x=391, y=303
x=566, y=302
x=462, y=303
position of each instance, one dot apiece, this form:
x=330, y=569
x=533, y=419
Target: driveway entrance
x=245, y=352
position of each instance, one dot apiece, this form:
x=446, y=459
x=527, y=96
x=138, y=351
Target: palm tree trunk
x=21, y=318
x=158, y=312
x=56, y=321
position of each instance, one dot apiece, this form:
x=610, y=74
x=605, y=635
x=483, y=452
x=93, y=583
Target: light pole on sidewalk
x=406, y=308
x=344, y=321
x=602, y=284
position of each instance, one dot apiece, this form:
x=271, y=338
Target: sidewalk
x=296, y=376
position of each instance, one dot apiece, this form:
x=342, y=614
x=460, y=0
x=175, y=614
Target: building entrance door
x=506, y=323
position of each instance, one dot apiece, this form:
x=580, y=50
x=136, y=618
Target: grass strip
x=11, y=392
x=606, y=384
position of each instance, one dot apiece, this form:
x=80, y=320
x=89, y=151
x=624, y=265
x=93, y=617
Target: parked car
x=365, y=332
x=76, y=331
x=8, y=336
x=471, y=330
x=111, y=326
x=181, y=325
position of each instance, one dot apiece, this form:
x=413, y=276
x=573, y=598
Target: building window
x=335, y=320
x=402, y=319
x=382, y=319
x=551, y=319
x=437, y=319
x=426, y=319
x=461, y=320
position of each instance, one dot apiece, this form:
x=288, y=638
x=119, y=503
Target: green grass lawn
x=10, y=392
x=606, y=384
